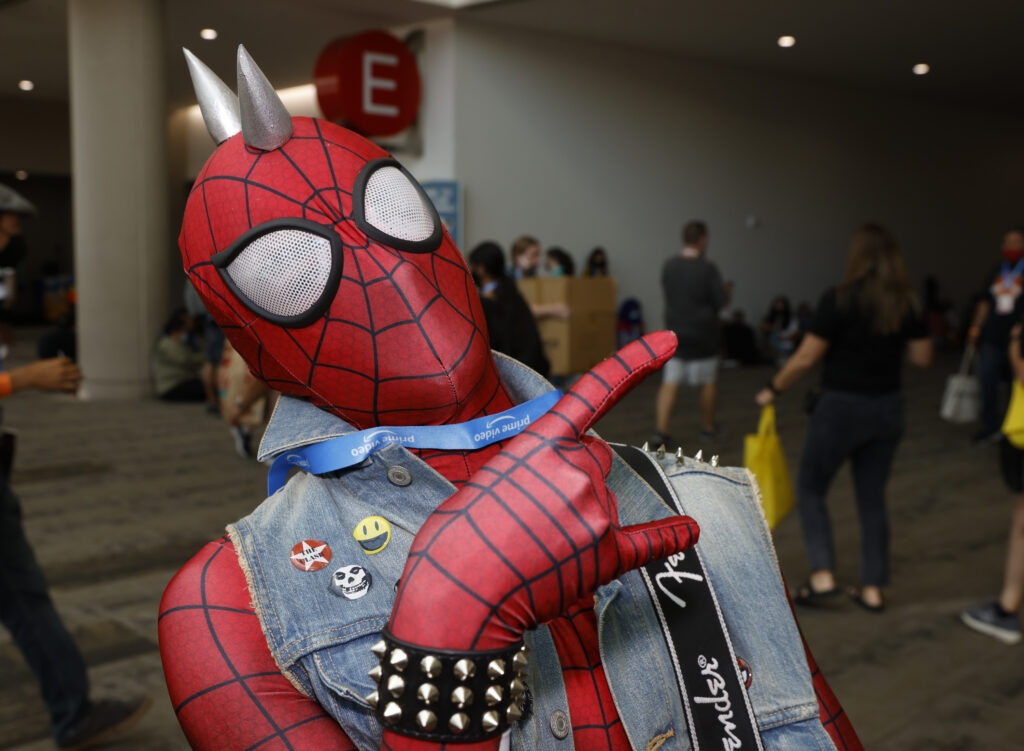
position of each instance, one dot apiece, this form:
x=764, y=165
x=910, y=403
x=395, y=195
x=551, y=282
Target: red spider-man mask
x=328, y=268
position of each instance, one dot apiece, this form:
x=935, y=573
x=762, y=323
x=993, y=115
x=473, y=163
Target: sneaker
x=989, y=619
x=241, y=436
x=657, y=440
x=104, y=719
x=709, y=435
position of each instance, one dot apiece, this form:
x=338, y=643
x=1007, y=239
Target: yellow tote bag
x=1013, y=423
x=762, y=455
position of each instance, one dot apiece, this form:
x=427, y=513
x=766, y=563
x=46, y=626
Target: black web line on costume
x=334, y=213
x=238, y=679
x=557, y=566
x=593, y=663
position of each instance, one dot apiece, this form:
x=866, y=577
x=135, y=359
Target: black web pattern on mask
x=323, y=204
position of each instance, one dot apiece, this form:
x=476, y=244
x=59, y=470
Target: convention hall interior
x=782, y=127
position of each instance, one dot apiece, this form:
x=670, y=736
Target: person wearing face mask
x=999, y=306
x=559, y=263
x=597, y=263
x=510, y=324
x=13, y=206
x=525, y=257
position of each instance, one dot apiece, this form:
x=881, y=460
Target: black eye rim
x=427, y=245
x=223, y=259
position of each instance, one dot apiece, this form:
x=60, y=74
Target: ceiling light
x=921, y=68
x=26, y=85
x=787, y=41
x=456, y=4
x=208, y=34
x=21, y=174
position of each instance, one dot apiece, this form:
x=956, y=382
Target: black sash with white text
x=711, y=682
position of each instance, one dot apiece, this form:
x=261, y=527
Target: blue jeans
x=994, y=367
x=28, y=613
x=865, y=429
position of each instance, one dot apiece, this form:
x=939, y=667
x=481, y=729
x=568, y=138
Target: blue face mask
x=557, y=271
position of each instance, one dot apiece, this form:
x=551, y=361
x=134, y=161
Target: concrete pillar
x=119, y=183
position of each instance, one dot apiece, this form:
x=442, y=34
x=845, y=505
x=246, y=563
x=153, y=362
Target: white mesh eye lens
x=284, y=271
x=392, y=205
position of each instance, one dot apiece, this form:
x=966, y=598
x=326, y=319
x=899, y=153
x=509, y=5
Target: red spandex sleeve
x=226, y=690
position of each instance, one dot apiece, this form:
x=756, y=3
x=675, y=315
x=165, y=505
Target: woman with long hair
x=861, y=329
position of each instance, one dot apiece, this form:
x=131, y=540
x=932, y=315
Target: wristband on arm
x=6, y=387
x=446, y=696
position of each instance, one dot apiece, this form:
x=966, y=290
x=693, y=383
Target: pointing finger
x=607, y=382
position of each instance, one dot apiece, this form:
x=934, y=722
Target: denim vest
x=321, y=641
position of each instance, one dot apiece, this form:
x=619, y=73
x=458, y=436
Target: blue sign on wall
x=447, y=199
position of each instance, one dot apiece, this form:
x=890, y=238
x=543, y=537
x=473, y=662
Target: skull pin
x=351, y=582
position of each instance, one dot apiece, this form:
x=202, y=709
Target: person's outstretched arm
x=53, y=374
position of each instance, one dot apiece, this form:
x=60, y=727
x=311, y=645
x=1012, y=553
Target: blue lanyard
x=1014, y=273
x=347, y=450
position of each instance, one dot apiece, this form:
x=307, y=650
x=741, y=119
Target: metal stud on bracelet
x=428, y=693
x=465, y=669
x=439, y=698
x=431, y=666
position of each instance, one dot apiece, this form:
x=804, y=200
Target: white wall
x=582, y=144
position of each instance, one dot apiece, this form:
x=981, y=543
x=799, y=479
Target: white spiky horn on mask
x=266, y=123
x=217, y=102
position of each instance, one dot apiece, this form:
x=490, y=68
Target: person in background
x=28, y=612
x=525, y=257
x=804, y=318
x=694, y=296
x=525, y=265
x=781, y=328
x=558, y=263
x=1000, y=618
x=597, y=263
x=13, y=208
x=739, y=341
x=861, y=330
x=1000, y=304
x=176, y=361
x=510, y=323
x=213, y=346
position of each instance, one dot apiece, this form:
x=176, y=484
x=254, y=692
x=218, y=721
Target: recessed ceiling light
x=787, y=41
x=921, y=68
x=456, y=4
x=26, y=85
x=208, y=34
x=21, y=174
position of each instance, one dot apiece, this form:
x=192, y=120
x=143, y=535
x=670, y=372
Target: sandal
x=809, y=597
x=854, y=594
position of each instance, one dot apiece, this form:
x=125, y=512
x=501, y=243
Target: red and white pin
x=311, y=555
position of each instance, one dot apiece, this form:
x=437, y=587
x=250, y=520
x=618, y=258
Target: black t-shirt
x=1006, y=303
x=512, y=328
x=858, y=358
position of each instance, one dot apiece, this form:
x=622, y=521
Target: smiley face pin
x=373, y=533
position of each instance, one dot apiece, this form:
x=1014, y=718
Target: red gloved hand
x=536, y=529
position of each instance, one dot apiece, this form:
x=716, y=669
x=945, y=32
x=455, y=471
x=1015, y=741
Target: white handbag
x=961, y=401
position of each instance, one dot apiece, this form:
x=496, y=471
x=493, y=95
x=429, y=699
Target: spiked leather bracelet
x=448, y=696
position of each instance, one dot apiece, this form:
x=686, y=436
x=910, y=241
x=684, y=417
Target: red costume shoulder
x=226, y=690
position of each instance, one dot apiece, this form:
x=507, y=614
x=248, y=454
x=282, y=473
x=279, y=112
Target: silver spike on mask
x=217, y=102
x=266, y=123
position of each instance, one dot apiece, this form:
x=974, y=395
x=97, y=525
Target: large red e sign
x=368, y=82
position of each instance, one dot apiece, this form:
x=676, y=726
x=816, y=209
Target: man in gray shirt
x=694, y=295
